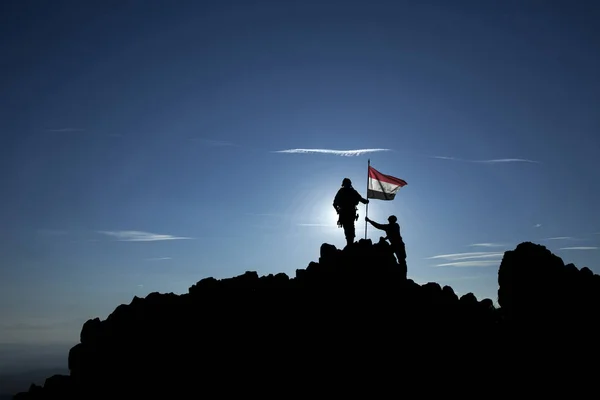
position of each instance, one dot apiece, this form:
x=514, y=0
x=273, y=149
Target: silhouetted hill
x=19, y=381
x=350, y=324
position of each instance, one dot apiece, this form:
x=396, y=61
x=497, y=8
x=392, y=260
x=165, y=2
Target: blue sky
x=140, y=142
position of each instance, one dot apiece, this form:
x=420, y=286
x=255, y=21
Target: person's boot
x=349, y=242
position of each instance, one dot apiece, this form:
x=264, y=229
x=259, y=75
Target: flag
x=383, y=187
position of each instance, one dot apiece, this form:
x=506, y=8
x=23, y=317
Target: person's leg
x=349, y=231
x=400, y=253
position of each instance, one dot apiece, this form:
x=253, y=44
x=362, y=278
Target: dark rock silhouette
x=349, y=324
x=536, y=289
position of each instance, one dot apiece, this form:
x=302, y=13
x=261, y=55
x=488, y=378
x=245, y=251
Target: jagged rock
x=537, y=290
x=204, y=286
x=328, y=253
x=586, y=272
x=90, y=332
x=449, y=294
x=487, y=304
x=57, y=385
x=468, y=299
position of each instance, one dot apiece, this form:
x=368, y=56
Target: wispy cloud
x=537, y=226
x=460, y=278
x=467, y=256
x=487, y=245
x=475, y=259
x=137, y=236
x=491, y=161
x=479, y=263
x=65, y=130
x=159, y=259
x=580, y=248
x=343, y=153
x=561, y=238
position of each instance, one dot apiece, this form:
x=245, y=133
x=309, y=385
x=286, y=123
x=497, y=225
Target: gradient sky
x=140, y=140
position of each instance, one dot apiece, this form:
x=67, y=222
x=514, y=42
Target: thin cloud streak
x=580, y=248
x=561, y=238
x=507, y=160
x=467, y=256
x=343, y=153
x=138, y=236
x=487, y=245
x=492, y=161
x=159, y=259
x=480, y=263
x=460, y=278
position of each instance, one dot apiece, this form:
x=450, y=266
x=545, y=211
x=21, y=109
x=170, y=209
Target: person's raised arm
x=360, y=198
x=375, y=224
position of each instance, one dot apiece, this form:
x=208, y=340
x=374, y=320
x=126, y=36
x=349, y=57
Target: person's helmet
x=346, y=182
x=392, y=219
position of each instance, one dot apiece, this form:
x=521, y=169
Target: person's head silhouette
x=392, y=219
x=346, y=183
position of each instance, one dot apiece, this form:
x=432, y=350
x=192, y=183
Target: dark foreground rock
x=348, y=325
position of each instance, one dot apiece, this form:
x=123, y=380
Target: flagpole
x=367, y=206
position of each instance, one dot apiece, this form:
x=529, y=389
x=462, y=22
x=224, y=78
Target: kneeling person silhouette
x=392, y=230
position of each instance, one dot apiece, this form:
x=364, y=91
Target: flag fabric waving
x=381, y=186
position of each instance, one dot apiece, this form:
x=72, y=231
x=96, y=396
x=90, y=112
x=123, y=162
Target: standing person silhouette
x=345, y=203
x=392, y=231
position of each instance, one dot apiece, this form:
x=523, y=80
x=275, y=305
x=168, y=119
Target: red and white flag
x=381, y=186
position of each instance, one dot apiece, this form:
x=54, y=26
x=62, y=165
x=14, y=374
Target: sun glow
x=325, y=216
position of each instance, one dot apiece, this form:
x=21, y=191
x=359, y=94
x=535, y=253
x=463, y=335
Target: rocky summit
x=349, y=324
